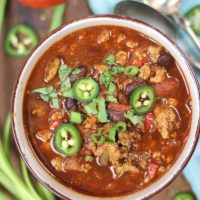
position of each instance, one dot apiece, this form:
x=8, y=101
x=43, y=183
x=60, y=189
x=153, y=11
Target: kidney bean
x=166, y=87
x=116, y=116
x=135, y=84
x=165, y=59
x=69, y=104
x=82, y=73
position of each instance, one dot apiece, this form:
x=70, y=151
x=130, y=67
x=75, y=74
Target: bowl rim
x=114, y=16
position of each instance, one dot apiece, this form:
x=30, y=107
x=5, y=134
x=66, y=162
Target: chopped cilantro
x=102, y=114
x=135, y=119
x=105, y=78
x=48, y=94
x=91, y=108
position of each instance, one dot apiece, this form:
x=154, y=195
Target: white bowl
x=24, y=146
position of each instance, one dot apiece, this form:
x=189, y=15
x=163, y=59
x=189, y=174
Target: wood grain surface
x=10, y=67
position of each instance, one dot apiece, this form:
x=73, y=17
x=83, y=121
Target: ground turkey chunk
x=51, y=69
x=128, y=167
x=89, y=127
x=160, y=74
x=121, y=57
x=165, y=120
x=74, y=164
x=154, y=52
x=44, y=135
x=145, y=72
x=112, y=151
x=104, y=36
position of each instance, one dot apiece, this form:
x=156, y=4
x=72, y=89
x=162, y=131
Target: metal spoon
x=147, y=14
x=143, y=12
x=171, y=8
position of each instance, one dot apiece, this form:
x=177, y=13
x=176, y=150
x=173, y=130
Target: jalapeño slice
x=184, y=196
x=85, y=89
x=19, y=40
x=193, y=15
x=67, y=140
x=142, y=99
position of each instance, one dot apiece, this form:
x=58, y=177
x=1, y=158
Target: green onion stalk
x=19, y=188
x=2, y=12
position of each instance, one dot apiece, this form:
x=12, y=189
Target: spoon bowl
x=147, y=14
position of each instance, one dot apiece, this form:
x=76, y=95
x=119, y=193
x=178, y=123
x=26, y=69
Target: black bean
x=82, y=73
x=165, y=59
x=70, y=104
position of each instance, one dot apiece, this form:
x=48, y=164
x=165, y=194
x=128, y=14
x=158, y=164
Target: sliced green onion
x=110, y=59
x=88, y=158
x=118, y=127
x=76, y=117
x=131, y=70
x=123, y=171
x=116, y=70
x=98, y=138
x=57, y=17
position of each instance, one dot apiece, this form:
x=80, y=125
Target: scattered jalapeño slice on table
x=20, y=40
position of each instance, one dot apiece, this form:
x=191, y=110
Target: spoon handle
x=185, y=24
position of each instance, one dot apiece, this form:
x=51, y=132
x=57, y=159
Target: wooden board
x=10, y=67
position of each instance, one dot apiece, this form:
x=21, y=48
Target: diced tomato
x=55, y=124
x=119, y=107
x=139, y=63
x=152, y=170
x=149, y=122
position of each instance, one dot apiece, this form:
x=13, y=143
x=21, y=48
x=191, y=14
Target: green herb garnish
x=111, y=98
x=118, y=127
x=110, y=59
x=76, y=71
x=102, y=114
x=48, y=94
x=91, y=108
x=116, y=70
x=135, y=119
x=99, y=138
x=88, y=158
x=105, y=78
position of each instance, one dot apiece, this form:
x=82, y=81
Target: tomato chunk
x=149, y=122
x=152, y=170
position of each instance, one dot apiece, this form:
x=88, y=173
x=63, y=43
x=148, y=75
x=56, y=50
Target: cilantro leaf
x=111, y=98
x=65, y=85
x=102, y=114
x=105, y=78
x=68, y=93
x=91, y=108
x=76, y=71
x=64, y=72
x=111, y=88
x=44, y=90
x=135, y=119
x=48, y=94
